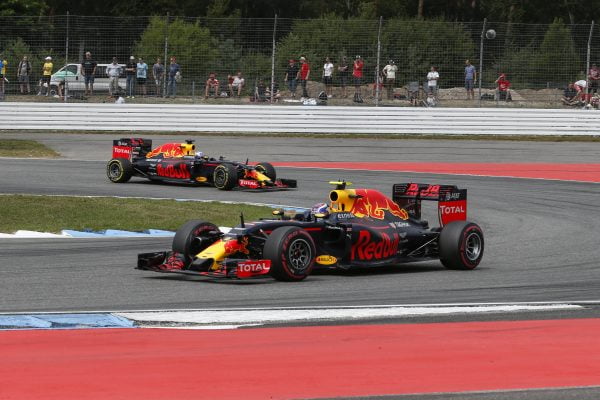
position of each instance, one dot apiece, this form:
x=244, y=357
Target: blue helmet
x=320, y=208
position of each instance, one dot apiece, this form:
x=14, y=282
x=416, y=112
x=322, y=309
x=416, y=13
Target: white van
x=73, y=74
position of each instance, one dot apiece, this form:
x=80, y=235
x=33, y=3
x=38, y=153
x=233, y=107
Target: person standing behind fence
x=142, y=75
x=303, y=76
x=46, y=74
x=328, y=76
x=291, y=76
x=174, y=69
x=130, y=70
x=357, y=74
x=89, y=72
x=113, y=71
x=432, y=81
x=390, y=78
x=158, y=74
x=343, y=71
x=594, y=78
x=23, y=71
x=1, y=77
x=470, y=78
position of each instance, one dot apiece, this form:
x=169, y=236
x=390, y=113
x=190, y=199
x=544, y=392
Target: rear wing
x=131, y=147
x=452, y=201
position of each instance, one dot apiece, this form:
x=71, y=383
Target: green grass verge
x=407, y=136
x=52, y=214
x=24, y=148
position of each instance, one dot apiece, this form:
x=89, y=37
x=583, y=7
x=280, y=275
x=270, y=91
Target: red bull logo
x=169, y=150
x=232, y=246
x=374, y=204
x=178, y=171
x=366, y=249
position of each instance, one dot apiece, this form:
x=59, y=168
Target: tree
x=557, y=59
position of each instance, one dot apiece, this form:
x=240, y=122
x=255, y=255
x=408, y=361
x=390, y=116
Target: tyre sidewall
x=230, y=180
x=453, y=243
x=277, y=249
x=124, y=169
x=183, y=241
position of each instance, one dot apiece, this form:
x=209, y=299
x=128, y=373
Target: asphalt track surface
x=541, y=235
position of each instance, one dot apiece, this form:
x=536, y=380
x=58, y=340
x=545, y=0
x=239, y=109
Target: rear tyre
x=192, y=237
x=119, y=170
x=292, y=253
x=225, y=177
x=461, y=245
x=267, y=169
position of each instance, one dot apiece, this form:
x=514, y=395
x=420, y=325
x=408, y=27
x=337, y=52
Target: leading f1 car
x=181, y=163
x=358, y=228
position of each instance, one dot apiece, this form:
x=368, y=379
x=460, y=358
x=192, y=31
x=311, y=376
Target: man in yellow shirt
x=46, y=74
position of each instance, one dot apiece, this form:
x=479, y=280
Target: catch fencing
x=539, y=60
x=302, y=119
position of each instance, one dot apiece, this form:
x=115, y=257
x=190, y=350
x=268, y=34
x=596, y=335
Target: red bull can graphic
x=374, y=204
x=169, y=150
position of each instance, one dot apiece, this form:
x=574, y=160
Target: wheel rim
x=114, y=170
x=473, y=246
x=220, y=177
x=300, y=255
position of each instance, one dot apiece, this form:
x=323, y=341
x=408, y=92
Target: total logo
x=121, y=151
x=252, y=268
x=452, y=209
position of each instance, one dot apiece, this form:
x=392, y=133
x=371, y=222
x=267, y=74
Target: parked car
x=75, y=80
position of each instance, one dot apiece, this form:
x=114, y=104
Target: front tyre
x=267, y=169
x=119, y=170
x=225, y=177
x=193, y=237
x=461, y=245
x=292, y=253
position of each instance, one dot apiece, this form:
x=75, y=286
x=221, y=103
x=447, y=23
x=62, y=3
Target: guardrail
x=296, y=119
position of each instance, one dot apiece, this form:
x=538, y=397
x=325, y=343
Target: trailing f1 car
x=358, y=228
x=180, y=163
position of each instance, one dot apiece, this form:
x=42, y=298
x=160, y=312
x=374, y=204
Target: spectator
x=113, y=71
x=432, y=81
x=46, y=74
x=88, y=66
x=328, y=76
x=389, y=72
x=158, y=74
x=2, y=69
x=276, y=93
x=580, y=87
x=212, y=86
x=142, y=75
x=130, y=75
x=236, y=84
x=503, y=88
x=593, y=78
x=569, y=95
x=303, y=76
x=343, y=71
x=470, y=78
x=291, y=77
x=261, y=91
x=23, y=71
x=357, y=74
x=174, y=73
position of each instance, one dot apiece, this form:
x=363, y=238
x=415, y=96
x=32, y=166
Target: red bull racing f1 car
x=180, y=163
x=358, y=228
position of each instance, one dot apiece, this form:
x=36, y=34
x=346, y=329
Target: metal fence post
x=164, y=92
x=587, y=63
x=377, y=88
x=66, y=93
x=481, y=57
x=273, y=60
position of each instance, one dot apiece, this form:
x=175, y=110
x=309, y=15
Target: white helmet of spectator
x=48, y=58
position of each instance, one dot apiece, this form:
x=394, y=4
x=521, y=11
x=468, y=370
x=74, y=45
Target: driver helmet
x=320, y=208
x=199, y=154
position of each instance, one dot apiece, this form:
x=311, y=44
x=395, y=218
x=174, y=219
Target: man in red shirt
x=594, y=78
x=303, y=75
x=212, y=86
x=503, y=88
x=357, y=74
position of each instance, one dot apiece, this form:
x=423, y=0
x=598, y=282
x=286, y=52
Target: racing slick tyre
x=225, y=177
x=268, y=170
x=192, y=237
x=461, y=245
x=292, y=253
x=119, y=170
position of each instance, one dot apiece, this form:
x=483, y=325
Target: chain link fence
x=538, y=60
